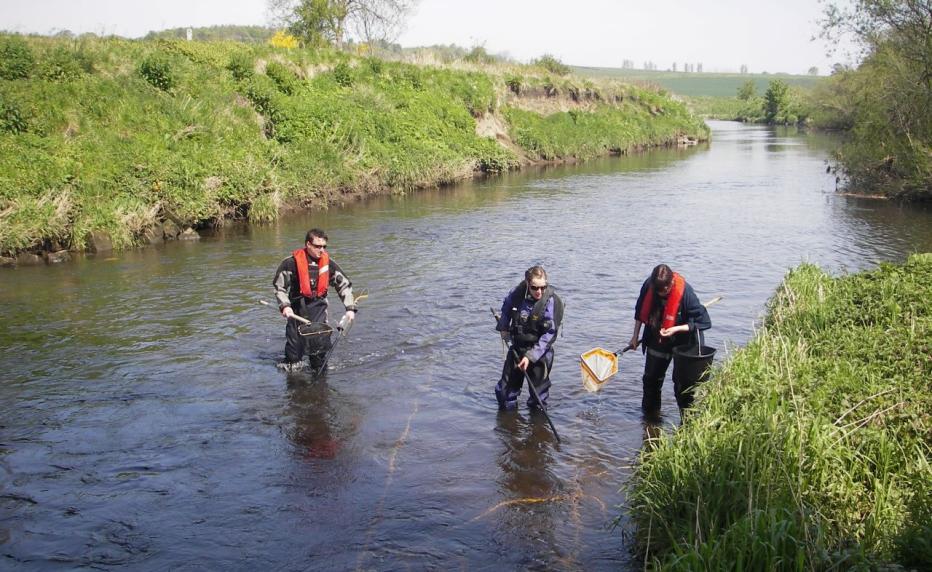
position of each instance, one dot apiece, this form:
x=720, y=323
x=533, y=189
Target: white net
x=598, y=366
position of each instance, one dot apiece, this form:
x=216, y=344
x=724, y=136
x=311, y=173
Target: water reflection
x=532, y=494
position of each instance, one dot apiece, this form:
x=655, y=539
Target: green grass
x=810, y=448
x=697, y=84
x=119, y=135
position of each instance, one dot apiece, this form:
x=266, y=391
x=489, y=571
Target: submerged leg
x=655, y=369
x=509, y=385
x=539, y=374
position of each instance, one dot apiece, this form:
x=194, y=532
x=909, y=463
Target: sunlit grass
x=208, y=131
x=810, y=448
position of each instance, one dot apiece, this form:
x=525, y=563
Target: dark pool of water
x=143, y=423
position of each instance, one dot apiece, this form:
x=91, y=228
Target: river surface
x=144, y=425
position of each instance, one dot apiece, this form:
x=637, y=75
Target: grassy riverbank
x=140, y=139
x=810, y=448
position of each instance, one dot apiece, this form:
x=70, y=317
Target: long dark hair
x=661, y=277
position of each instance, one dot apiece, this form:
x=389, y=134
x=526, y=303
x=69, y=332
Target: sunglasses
x=539, y=288
x=318, y=245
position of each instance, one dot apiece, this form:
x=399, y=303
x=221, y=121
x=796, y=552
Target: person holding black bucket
x=530, y=317
x=301, y=283
x=672, y=315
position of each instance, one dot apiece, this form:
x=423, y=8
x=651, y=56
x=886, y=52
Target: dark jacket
x=691, y=312
x=532, y=340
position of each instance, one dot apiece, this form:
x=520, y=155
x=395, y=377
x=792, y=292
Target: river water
x=144, y=425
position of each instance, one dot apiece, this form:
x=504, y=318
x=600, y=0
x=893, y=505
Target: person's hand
x=522, y=365
x=633, y=344
x=667, y=332
x=504, y=334
x=349, y=316
x=287, y=312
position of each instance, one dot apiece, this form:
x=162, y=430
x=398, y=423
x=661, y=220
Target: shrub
x=16, y=59
x=478, y=55
x=375, y=65
x=343, y=75
x=283, y=40
x=63, y=64
x=284, y=78
x=412, y=76
x=552, y=64
x=514, y=84
x=12, y=119
x=157, y=69
x=240, y=66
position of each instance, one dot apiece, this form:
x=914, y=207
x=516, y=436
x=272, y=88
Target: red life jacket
x=670, y=308
x=304, y=277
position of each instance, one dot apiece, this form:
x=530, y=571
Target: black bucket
x=692, y=363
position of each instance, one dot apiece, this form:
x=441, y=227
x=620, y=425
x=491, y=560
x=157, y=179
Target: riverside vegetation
x=138, y=140
x=810, y=448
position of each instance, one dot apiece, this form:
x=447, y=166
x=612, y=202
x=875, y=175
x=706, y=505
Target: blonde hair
x=535, y=272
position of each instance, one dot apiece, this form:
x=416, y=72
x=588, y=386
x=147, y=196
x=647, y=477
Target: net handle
x=293, y=316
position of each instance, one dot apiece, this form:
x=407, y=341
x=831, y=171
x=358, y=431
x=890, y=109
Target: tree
x=744, y=68
x=903, y=25
x=776, y=99
x=318, y=22
x=813, y=71
x=889, y=94
x=747, y=91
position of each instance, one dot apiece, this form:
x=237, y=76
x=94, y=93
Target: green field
x=697, y=84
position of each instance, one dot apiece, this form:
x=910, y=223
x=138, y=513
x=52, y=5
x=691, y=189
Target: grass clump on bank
x=810, y=448
x=134, y=138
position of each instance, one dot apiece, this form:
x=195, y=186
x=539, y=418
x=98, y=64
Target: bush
x=552, y=64
x=12, y=119
x=240, y=66
x=157, y=69
x=412, y=76
x=343, y=75
x=375, y=66
x=478, y=55
x=63, y=64
x=514, y=84
x=284, y=78
x=16, y=59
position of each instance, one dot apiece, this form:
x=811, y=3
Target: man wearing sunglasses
x=530, y=318
x=301, y=283
x=672, y=315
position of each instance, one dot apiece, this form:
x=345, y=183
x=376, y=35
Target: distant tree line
x=247, y=34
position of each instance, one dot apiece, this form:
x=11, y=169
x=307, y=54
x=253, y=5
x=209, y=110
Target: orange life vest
x=670, y=308
x=304, y=277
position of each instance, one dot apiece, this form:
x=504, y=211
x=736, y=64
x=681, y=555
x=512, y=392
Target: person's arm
x=697, y=314
x=635, y=336
x=344, y=288
x=504, y=317
x=282, y=285
x=633, y=342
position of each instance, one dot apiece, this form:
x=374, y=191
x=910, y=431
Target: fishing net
x=322, y=329
x=598, y=366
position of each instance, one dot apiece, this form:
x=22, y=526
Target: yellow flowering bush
x=283, y=39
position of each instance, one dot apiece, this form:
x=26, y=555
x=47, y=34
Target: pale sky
x=721, y=34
